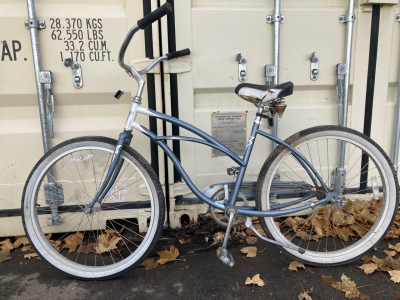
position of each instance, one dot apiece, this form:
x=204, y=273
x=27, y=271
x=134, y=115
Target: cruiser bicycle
x=93, y=207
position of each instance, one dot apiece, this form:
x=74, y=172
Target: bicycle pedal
x=226, y=257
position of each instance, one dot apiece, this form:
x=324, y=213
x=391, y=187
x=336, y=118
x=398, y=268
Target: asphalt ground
x=201, y=276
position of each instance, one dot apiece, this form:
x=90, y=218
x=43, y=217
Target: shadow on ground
x=204, y=278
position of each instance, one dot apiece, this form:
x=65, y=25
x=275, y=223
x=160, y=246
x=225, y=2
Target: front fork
x=125, y=138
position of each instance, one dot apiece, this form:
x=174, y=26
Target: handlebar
x=141, y=24
x=155, y=15
x=177, y=54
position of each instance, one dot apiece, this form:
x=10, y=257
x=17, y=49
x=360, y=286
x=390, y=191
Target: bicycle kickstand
x=222, y=253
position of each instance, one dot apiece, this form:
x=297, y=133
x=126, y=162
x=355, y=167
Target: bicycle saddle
x=257, y=94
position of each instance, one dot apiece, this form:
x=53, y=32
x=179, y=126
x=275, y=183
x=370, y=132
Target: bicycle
x=324, y=218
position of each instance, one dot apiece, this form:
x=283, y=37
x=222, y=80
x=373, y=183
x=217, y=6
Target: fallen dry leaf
x=56, y=244
x=20, y=241
x=256, y=280
x=394, y=264
x=168, y=255
x=30, y=255
x=307, y=236
x=72, y=241
x=218, y=237
x=251, y=240
x=105, y=244
x=397, y=294
x=338, y=217
x=149, y=264
x=366, y=259
x=369, y=268
x=365, y=297
x=382, y=267
x=397, y=247
x=346, y=285
x=317, y=227
x=295, y=264
x=290, y=222
x=305, y=295
x=7, y=245
x=258, y=228
x=26, y=248
x=4, y=255
x=326, y=279
x=366, y=215
x=251, y=251
x=395, y=276
x=390, y=253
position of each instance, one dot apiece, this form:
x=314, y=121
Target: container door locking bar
x=341, y=72
x=53, y=191
x=47, y=79
x=396, y=138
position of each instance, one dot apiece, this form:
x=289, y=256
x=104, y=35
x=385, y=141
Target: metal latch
x=270, y=73
x=314, y=67
x=274, y=18
x=242, y=67
x=76, y=72
x=46, y=78
x=397, y=19
x=347, y=18
x=341, y=72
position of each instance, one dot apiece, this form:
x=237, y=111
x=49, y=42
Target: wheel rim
x=338, y=249
x=105, y=257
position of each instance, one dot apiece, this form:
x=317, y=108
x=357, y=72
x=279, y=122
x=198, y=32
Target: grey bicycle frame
x=211, y=142
x=126, y=136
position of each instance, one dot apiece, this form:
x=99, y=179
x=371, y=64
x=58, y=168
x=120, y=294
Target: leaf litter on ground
x=149, y=264
x=256, y=280
x=345, y=285
x=250, y=251
x=168, y=255
x=305, y=294
x=294, y=265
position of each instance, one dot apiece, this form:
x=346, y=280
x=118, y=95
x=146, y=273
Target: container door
x=90, y=33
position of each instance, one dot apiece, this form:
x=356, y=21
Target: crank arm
x=249, y=224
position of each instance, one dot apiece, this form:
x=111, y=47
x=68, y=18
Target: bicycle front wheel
x=117, y=234
x=334, y=233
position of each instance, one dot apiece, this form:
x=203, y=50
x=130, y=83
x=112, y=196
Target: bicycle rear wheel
x=333, y=233
x=117, y=235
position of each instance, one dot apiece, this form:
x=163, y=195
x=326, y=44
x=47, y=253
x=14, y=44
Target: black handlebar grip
x=176, y=54
x=155, y=15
